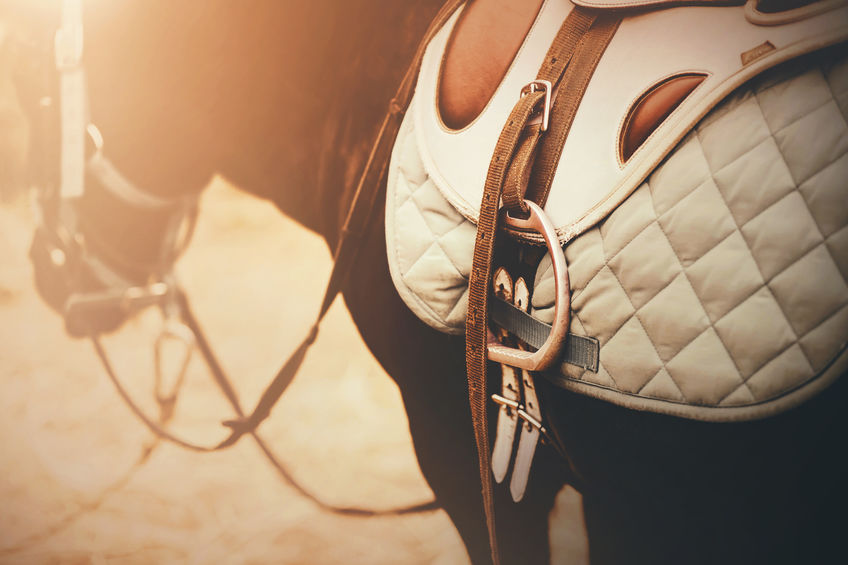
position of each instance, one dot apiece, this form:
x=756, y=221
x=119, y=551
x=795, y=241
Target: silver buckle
x=522, y=414
x=543, y=86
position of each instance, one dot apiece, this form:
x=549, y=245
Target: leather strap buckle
x=540, y=86
x=522, y=413
x=549, y=352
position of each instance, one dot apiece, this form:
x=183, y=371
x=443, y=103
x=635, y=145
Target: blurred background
x=82, y=481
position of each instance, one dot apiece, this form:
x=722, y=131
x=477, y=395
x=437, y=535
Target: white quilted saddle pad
x=717, y=290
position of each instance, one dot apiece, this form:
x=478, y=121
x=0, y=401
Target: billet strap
x=504, y=289
x=350, y=240
x=531, y=427
x=574, y=53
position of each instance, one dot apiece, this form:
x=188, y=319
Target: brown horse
x=284, y=99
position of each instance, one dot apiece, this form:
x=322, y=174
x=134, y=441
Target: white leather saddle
x=700, y=199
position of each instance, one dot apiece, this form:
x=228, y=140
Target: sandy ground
x=75, y=488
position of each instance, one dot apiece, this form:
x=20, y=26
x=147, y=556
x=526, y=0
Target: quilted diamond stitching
x=662, y=385
x=419, y=252
x=829, y=336
x=837, y=244
x=821, y=145
x=673, y=317
x=766, y=382
x=605, y=306
x=704, y=371
x=755, y=332
x=438, y=222
x=638, y=272
x=724, y=284
x=827, y=207
x=808, y=90
x=754, y=180
x=446, y=312
x=735, y=392
x=578, y=253
x=409, y=221
x=732, y=136
x=810, y=290
x=441, y=299
x=630, y=356
x=742, y=364
x=781, y=234
x=681, y=386
x=691, y=228
x=679, y=176
x=630, y=223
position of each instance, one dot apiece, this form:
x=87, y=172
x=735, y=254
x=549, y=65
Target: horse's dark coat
x=283, y=98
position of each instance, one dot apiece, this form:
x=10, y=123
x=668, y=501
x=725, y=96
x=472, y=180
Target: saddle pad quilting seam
x=833, y=315
x=395, y=245
x=742, y=376
x=601, y=367
x=610, y=257
x=636, y=310
x=824, y=170
x=743, y=380
x=424, y=304
x=412, y=300
x=767, y=280
x=689, y=282
x=777, y=133
x=798, y=185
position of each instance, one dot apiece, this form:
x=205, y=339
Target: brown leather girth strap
x=572, y=57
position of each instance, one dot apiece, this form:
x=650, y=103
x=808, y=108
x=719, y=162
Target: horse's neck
x=181, y=94
x=281, y=98
x=485, y=40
